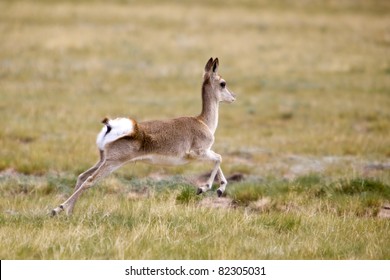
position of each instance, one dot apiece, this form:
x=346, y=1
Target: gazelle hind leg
x=104, y=169
x=84, y=176
x=81, y=179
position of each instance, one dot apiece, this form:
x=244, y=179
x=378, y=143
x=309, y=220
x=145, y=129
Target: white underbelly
x=162, y=160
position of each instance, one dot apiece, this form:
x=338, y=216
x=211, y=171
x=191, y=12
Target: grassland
x=309, y=131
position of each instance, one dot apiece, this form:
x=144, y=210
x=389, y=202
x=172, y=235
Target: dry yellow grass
x=313, y=87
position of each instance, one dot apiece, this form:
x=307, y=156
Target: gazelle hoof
x=53, y=213
x=57, y=210
x=199, y=191
x=219, y=193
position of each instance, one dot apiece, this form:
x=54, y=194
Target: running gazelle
x=169, y=142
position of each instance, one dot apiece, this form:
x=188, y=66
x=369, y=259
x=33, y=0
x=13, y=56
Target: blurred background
x=312, y=79
x=308, y=135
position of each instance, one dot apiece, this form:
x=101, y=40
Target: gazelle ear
x=215, y=65
x=208, y=66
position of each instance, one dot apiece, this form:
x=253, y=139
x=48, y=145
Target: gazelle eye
x=223, y=84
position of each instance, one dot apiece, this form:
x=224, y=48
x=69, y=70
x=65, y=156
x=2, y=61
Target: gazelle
x=169, y=142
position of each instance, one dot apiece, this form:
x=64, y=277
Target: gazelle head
x=216, y=83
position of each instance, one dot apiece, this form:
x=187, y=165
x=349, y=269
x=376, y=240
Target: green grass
x=312, y=194
x=175, y=224
x=309, y=129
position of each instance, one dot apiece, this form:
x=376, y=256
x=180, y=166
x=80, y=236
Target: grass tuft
x=286, y=223
x=187, y=195
x=358, y=186
x=244, y=193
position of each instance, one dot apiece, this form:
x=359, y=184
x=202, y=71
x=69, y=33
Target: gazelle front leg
x=209, y=156
x=222, y=181
x=222, y=184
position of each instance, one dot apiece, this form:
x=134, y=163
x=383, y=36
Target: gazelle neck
x=210, y=106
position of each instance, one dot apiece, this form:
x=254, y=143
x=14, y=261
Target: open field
x=308, y=137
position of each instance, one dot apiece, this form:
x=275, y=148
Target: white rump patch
x=119, y=128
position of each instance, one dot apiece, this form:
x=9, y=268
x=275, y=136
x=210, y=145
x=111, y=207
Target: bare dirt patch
x=217, y=202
